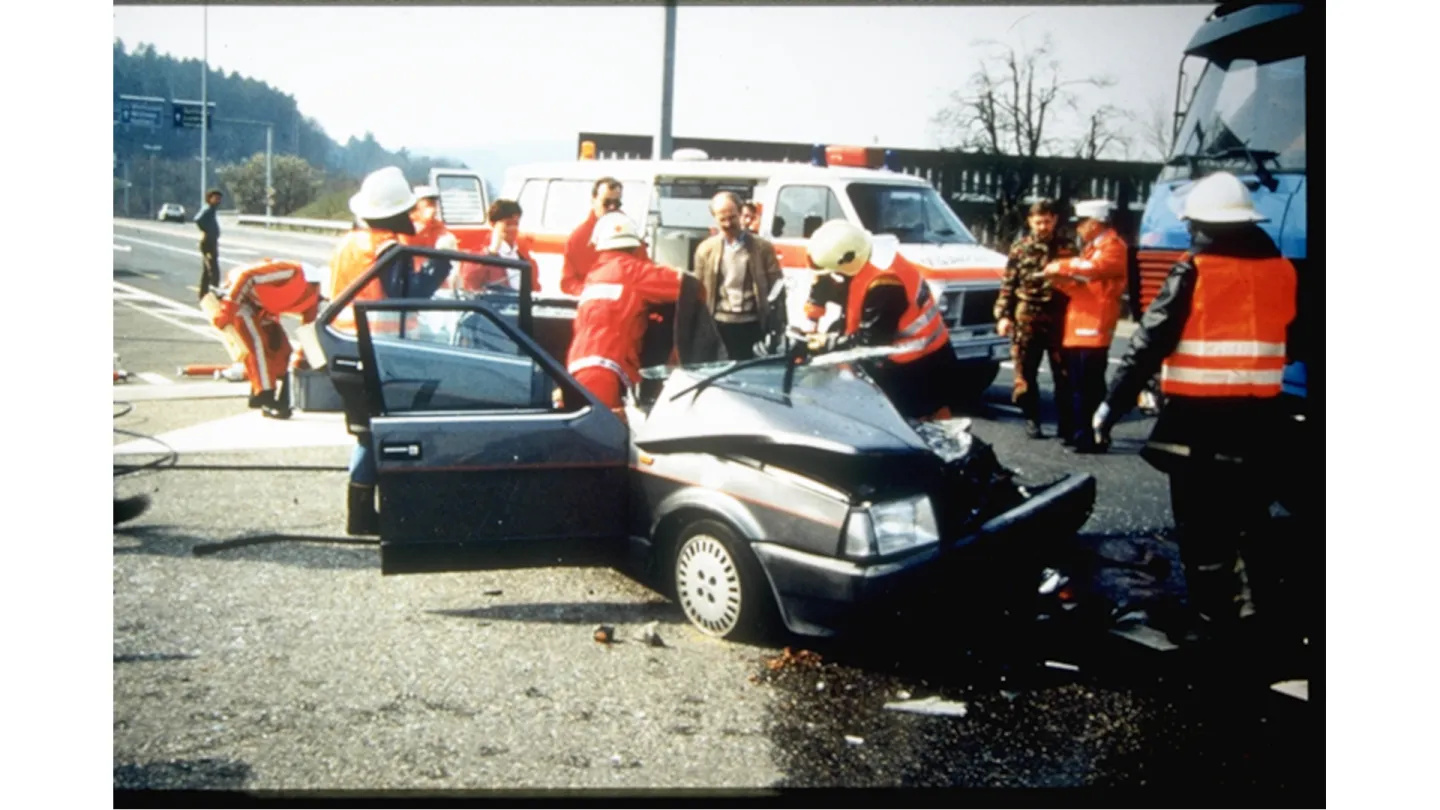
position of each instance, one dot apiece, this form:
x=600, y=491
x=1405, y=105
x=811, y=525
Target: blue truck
x=1245, y=115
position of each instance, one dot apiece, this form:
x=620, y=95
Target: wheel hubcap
x=708, y=585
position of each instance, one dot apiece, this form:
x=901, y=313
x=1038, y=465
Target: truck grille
x=1154, y=267
x=974, y=307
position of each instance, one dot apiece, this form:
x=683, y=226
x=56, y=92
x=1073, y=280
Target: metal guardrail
x=295, y=223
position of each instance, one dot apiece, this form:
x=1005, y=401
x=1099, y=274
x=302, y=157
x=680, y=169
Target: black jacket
x=207, y=224
x=1196, y=428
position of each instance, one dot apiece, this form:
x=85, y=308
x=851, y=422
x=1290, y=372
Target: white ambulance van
x=671, y=199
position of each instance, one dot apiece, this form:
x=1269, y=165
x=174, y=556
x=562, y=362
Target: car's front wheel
x=719, y=584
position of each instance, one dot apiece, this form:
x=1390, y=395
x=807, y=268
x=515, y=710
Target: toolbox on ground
x=312, y=391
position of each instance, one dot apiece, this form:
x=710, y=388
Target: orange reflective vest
x=354, y=255
x=273, y=286
x=1233, y=343
x=1094, y=282
x=921, y=325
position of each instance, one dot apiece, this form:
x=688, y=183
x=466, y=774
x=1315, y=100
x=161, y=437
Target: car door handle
x=399, y=451
x=349, y=364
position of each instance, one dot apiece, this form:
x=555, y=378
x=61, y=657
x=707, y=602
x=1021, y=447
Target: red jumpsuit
x=611, y=320
x=580, y=256
x=257, y=296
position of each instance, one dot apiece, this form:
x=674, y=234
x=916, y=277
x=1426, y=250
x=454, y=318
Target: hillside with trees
x=314, y=178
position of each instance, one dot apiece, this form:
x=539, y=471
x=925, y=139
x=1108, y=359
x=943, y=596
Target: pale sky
x=438, y=77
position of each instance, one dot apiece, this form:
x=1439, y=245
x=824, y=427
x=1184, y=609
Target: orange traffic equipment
x=201, y=369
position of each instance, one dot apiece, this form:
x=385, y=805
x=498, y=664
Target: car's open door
x=480, y=464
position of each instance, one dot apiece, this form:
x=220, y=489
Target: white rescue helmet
x=615, y=231
x=1221, y=197
x=427, y=193
x=840, y=247
x=383, y=193
x=314, y=273
x=1098, y=210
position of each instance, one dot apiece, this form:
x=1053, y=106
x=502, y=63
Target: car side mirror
x=777, y=227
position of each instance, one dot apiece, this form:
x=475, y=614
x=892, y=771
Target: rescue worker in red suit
x=1216, y=333
x=1094, y=283
x=430, y=231
x=253, y=301
x=611, y=318
x=580, y=253
x=385, y=205
x=889, y=307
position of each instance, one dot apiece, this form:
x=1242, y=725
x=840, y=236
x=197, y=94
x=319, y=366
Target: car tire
x=974, y=379
x=719, y=584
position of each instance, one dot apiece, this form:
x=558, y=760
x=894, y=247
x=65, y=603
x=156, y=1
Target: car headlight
x=937, y=289
x=885, y=528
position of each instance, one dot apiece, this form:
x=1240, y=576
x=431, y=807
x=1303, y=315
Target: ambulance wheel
x=973, y=379
x=719, y=583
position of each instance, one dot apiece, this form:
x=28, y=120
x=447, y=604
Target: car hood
x=834, y=425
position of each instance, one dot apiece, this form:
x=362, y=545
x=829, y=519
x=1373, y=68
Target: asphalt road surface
x=286, y=661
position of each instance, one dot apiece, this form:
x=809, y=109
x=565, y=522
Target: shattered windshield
x=1245, y=115
x=913, y=214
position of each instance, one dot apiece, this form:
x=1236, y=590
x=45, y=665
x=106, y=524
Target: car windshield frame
x=939, y=224
x=1247, y=114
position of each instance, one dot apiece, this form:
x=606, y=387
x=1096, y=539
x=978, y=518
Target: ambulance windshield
x=913, y=214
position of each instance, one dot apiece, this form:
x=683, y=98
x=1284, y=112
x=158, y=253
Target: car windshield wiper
x=1256, y=156
x=795, y=355
x=799, y=355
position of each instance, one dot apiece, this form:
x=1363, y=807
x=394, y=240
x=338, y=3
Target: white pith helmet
x=840, y=247
x=1221, y=197
x=615, y=231
x=383, y=193
x=1098, y=210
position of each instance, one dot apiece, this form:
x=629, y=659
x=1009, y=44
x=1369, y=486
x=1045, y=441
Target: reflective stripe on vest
x=1233, y=343
x=921, y=329
x=596, y=360
x=602, y=292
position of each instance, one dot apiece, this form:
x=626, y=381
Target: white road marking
x=248, y=431
x=1007, y=408
x=154, y=379
x=122, y=248
x=202, y=331
x=1294, y=689
x=195, y=254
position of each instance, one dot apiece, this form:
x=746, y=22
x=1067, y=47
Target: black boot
x=361, y=518
x=1029, y=403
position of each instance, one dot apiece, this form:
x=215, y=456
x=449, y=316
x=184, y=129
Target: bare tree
x=1157, y=128
x=1103, y=132
x=1010, y=107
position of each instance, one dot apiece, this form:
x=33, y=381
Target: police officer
x=893, y=306
x=1216, y=333
x=1030, y=311
x=1094, y=283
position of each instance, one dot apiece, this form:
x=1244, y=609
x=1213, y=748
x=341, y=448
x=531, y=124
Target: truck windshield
x=1244, y=113
x=913, y=214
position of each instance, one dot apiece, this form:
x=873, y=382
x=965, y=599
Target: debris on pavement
x=605, y=634
x=933, y=705
x=493, y=591
x=789, y=658
x=854, y=740
x=1062, y=665
x=819, y=686
x=650, y=634
x=902, y=695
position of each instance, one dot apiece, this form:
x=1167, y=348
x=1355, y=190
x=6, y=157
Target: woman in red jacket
x=506, y=243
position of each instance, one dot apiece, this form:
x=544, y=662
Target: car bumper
x=825, y=596
x=987, y=348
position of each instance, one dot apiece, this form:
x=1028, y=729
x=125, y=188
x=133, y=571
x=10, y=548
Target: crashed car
x=781, y=490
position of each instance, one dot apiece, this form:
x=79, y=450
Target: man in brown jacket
x=739, y=272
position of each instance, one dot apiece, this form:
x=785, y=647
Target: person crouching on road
x=580, y=254
x=386, y=205
x=1031, y=312
x=611, y=318
x=890, y=307
x=1216, y=334
x=1094, y=283
x=253, y=302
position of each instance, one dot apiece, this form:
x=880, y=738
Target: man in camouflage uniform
x=1032, y=314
